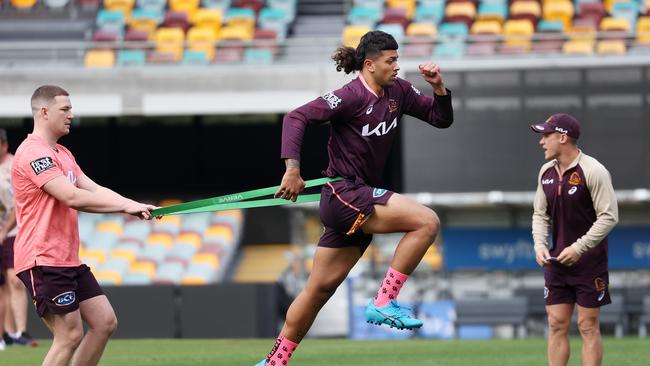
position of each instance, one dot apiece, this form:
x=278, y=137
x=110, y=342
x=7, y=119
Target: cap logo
x=561, y=130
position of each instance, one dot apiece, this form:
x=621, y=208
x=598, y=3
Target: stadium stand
x=192, y=248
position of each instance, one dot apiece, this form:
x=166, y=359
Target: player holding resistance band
x=364, y=116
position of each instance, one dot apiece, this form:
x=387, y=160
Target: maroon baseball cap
x=559, y=122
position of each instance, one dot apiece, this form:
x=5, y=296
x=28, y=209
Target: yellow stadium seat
x=643, y=29
x=582, y=33
x=466, y=9
x=232, y=213
x=579, y=47
x=352, y=35
x=486, y=27
x=202, y=39
x=421, y=30
x=98, y=255
x=559, y=10
x=209, y=18
x=518, y=32
x=170, y=40
x=160, y=239
x=99, y=59
x=239, y=32
x=109, y=276
x=614, y=24
x=23, y=4
x=206, y=258
x=129, y=255
x=109, y=227
x=124, y=6
x=148, y=268
x=409, y=5
x=193, y=281
x=220, y=230
x=188, y=6
x=147, y=25
x=526, y=7
x=611, y=47
x=193, y=239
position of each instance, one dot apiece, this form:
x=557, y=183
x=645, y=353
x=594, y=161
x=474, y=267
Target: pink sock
x=281, y=352
x=390, y=287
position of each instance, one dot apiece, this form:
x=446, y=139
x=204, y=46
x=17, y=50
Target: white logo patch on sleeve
x=42, y=164
x=332, y=100
x=415, y=89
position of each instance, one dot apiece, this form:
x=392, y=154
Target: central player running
x=365, y=115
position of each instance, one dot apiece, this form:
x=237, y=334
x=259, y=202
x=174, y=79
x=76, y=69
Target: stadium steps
x=319, y=7
x=262, y=263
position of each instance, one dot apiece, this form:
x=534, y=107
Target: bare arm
x=8, y=225
x=91, y=197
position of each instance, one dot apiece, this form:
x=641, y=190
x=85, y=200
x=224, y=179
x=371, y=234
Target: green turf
x=341, y=352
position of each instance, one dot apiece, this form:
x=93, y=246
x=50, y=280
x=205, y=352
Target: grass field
x=341, y=352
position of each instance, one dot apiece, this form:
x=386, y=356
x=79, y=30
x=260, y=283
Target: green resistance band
x=234, y=201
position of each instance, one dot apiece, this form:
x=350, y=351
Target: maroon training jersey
x=363, y=125
x=580, y=208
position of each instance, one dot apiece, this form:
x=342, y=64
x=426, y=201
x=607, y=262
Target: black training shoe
x=25, y=340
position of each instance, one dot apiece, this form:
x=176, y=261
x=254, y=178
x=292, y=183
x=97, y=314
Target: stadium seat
x=168, y=273
x=105, y=240
x=463, y=12
x=201, y=39
x=643, y=30
x=578, y=47
x=364, y=16
x=611, y=47
x=97, y=255
x=237, y=32
x=275, y=19
x=143, y=24
x=560, y=10
x=258, y=56
x=112, y=21
x=169, y=224
x=206, y=258
x=227, y=53
x=209, y=18
x=456, y=31
x=109, y=226
x=189, y=7
x=352, y=34
x=136, y=40
x=218, y=230
x=146, y=268
x=395, y=16
x=136, y=279
x=138, y=230
x=595, y=10
x=123, y=6
x=394, y=30
x=519, y=33
x=526, y=9
x=583, y=30
x=190, y=280
x=190, y=238
x=152, y=5
x=264, y=38
x=108, y=278
x=512, y=311
x=153, y=253
x=486, y=27
x=240, y=17
x=176, y=19
x=374, y=4
x=480, y=49
x=23, y=4
x=432, y=13
x=164, y=239
x=182, y=252
x=196, y=222
x=196, y=58
x=492, y=11
x=547, y=46
x=56, y=5
x=222, y=5
x=450, y=50
x=126, y=252
x=550, y=26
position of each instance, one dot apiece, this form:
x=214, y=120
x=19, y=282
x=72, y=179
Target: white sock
x=15, y=335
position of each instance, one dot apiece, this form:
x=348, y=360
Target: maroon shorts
x=344, y=207
x=589, y=291
x=59, y=290
x=8, y=252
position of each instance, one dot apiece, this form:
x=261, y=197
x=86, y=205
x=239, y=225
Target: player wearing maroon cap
x=364, y=116
x=574, y=200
